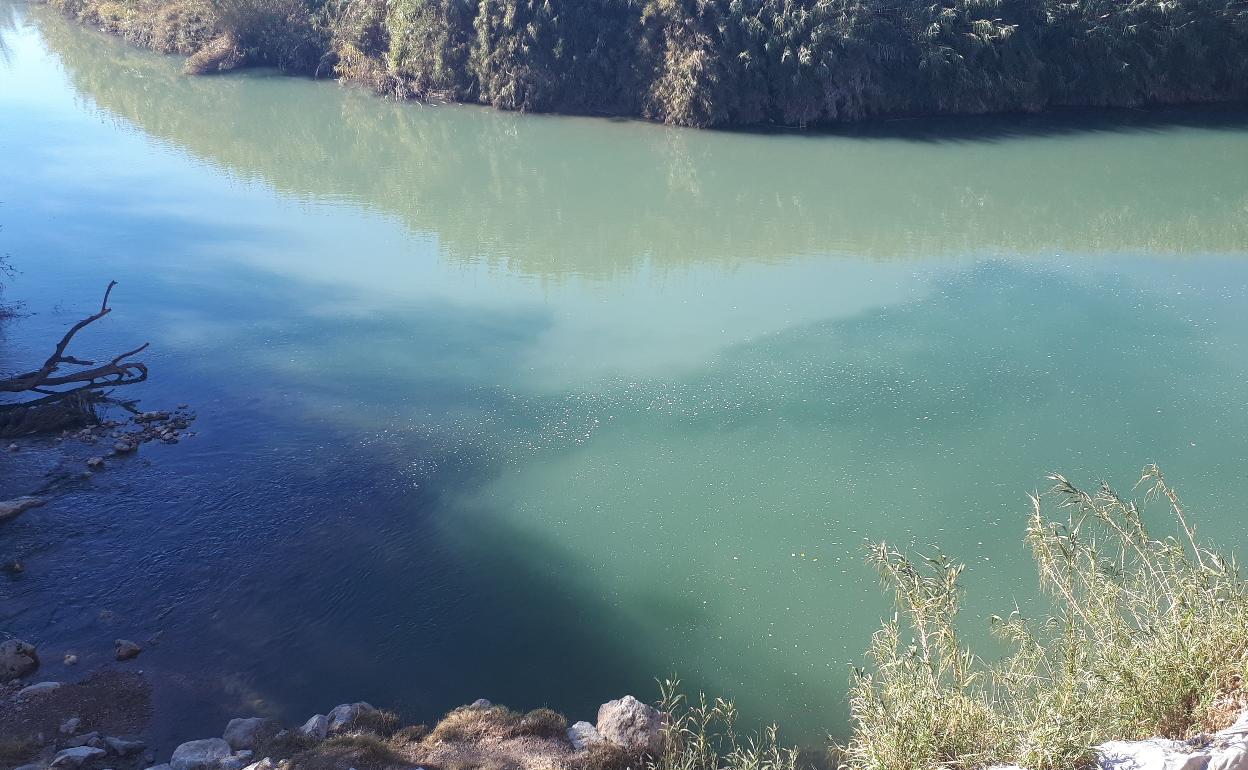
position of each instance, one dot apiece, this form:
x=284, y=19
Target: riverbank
x=99, y=722
x=719, y=63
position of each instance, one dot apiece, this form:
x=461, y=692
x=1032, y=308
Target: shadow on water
x=307, y=553
x=936, y=129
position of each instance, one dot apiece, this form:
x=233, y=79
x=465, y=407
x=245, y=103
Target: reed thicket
x=1147, y=636
x=724, y=62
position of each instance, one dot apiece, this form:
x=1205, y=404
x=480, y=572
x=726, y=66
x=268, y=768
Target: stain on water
x=540, y=409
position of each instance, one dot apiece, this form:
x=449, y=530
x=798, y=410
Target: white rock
x=264, y=764
x=583, y=735
x=1151, y=754
x=1237, y=730
x=37, y=689
x=206, y=754
x=1232, y=757
x=76, y=756
x=341, y=717
x=480, y=703
x=631, y=724
x=246, y=732
x=317, y=727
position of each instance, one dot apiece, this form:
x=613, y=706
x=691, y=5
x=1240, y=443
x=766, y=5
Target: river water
x=542, y=408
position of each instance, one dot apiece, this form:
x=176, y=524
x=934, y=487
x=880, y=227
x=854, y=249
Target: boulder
x=70, y=726
x=126, y=649
x=632, y=725
x=92, y=739
x=480, y=703
x=17, y=659
x=246, y=732
x=161, y=767
x=341, y=717
x=238, y=761
x=123, y=748
x=76, y=756
x=95, y=463
x=316, y=727
x=11, y=508
x=582, y=735
x=37, y=689
x=1151, y=754
x=205, y=754
x=1232, y=757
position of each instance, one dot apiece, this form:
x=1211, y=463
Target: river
x=541, y=408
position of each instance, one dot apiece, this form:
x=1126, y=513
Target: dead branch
x=48, y=378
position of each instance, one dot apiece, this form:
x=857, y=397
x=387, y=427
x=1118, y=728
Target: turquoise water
x=542, y=408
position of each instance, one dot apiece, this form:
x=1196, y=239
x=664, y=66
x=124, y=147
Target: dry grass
x=497, y=723
x=358, y=750
x=377, y=722
x=1147, y=636
x=221, y=54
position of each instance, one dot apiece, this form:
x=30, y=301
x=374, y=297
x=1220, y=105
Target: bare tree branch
x=48, y=377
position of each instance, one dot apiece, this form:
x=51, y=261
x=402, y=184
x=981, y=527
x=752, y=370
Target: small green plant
x=702, y=735
x=1147, y=636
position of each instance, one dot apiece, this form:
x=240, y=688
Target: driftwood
x=53, y=383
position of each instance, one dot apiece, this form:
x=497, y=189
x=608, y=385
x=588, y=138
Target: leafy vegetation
x=723, y=62
x=703, y=735
x=1148, y=636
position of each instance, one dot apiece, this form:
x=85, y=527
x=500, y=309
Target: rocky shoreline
x=97, y=724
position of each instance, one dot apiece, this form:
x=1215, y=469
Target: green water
x=542, y=408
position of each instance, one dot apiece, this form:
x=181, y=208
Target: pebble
x=37, y=689
x=126, y=649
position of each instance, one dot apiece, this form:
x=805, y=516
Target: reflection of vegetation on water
x=550, y=197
